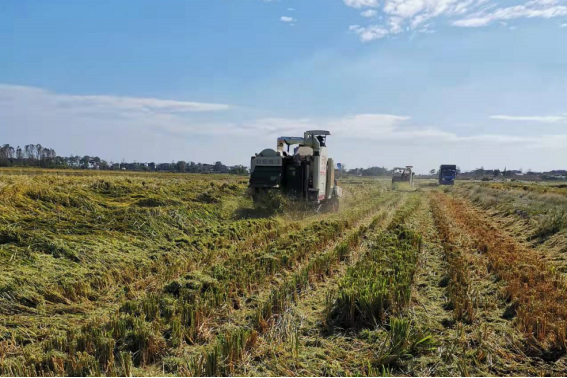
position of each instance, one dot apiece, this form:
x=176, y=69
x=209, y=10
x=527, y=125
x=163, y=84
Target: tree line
x=371, y=171
x=35, y=155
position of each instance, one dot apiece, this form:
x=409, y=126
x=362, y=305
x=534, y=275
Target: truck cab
x=447, y=174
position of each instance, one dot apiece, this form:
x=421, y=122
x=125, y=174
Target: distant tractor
x=306, y=174
x=447, y=174
x=402, y=175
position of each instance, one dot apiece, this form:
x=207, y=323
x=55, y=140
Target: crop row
x=536, y=292
x=459, y=281
x=376, y=292
x=147, y=327
x=287, y=293
x=224, y=352
x=379, y=283
x=217, y=360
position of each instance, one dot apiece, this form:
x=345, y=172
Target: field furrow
x=305, y=340
x=173, y=309
x=119, y=275
x=484, y=341
x=533, y=294
x=263, y=306
x=535, y=218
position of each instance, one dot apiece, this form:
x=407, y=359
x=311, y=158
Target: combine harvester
x=402, y=175
x=307, y=174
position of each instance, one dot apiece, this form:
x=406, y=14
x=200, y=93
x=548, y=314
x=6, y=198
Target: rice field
x=136, y=274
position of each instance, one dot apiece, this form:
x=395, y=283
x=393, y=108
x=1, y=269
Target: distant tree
x=180, y=166
x=239, y=170
x=29, y=151
x=85, y=161
x=36, y=155
x=479, y=171
x=220, y=167
x=38, y=151
x=191, y=167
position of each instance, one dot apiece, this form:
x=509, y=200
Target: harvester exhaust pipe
x=316, y=163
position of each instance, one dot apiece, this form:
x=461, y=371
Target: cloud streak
x=533, y=9
x=419, y=15
x=74, y=123
x=369, y=13
x=287, y=19
x=105, y=102
x=544, y=119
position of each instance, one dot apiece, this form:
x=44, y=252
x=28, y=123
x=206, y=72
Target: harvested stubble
x=252, y=271
x=71, y=244
x=543, y=211
x=459, y=287
x=376, y=291
x=380, y=283
x=537, y=293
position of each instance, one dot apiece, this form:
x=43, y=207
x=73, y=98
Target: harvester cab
x=402, y=175
x=306, y=172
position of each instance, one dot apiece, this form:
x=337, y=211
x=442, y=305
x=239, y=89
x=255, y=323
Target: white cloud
x=563, y=26
x=532, y=9
x=367, y=125
x=362, y=3
x=287, y=19
x=369, y=13
x=148, y=129
x=291, y=9
x=544, y=119
x=369, y=33
x=411, y=15
x=101, y=103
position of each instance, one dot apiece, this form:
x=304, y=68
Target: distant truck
x=447, y=174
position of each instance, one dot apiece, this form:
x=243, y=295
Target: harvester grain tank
x=447, y=174
x=307, y=173
x=403, y=175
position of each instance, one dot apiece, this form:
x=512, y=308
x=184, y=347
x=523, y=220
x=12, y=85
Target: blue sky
x=397, y=82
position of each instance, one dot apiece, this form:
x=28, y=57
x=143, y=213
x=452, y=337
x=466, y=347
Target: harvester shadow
x=252, y=213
